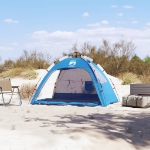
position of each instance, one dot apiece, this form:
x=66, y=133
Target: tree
x=118, y=56
x=147, y=59
x=136, y=58
x=114, y=58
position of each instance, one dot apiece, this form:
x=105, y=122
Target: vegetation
x=28, y=60
x=118, y=59
x=27, y=90
x=19, y=72
x=145, y=78
x=147, y=59
x=129, y=78
x=113, y=58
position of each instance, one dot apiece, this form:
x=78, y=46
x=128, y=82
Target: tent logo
x=72, y=63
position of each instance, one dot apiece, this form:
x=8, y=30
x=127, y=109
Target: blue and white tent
x=75, y=80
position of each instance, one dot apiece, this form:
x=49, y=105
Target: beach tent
x=75, y=80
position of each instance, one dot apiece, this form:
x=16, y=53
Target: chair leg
x=6, y=103
x=3, y=99
x=19, y=96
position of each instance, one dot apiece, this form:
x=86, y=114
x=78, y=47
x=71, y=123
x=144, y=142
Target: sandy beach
x=43, y=127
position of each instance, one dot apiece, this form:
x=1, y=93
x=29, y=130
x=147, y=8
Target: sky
x=53, y=26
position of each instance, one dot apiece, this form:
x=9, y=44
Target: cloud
x=134, y=22
x=114, y=6
x=104, y=22
x=86, y=14
x=148, y=23
x=57, y=35
x=62, y=41
x=94, y=25
x=127, y=6
x=11, y=21
x=120, y=14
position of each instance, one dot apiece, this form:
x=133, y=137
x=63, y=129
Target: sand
x=42, y=127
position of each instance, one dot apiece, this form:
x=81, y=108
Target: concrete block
x=136, y=101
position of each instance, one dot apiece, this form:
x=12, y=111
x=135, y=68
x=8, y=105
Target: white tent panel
x=47, y=90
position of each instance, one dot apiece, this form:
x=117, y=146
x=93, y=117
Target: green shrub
x=147, y=59
x=129, y=78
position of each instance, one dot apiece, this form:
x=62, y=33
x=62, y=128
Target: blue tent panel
x=61, y=102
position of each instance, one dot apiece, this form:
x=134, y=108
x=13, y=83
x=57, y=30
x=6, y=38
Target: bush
x=1, y=69
x=27, y=90
x=139, y=67
x=1, y=66
x=33, y=59
x=145, y=78
x=113, y=58
x=8, y=64
x=147, y=59
x=129, y=78
x=29, y=59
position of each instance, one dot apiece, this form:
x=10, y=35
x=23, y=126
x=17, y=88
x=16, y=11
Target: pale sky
x=55, y=25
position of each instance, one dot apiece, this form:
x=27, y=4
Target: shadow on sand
x=133, y=128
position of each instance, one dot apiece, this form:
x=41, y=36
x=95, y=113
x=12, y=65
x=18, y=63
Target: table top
x=15, y=86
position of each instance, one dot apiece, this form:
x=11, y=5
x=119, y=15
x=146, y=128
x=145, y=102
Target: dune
x=45, y=127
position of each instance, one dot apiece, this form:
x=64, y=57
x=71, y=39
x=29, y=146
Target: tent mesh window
x=75, y=84
x=69, y=85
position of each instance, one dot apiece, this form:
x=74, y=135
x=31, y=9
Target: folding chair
x=7, y=88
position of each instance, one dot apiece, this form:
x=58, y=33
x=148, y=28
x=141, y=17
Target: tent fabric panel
x=47, y=90
x=60, y=102
x=100, y=77
x=108, y=90
x=111, y=83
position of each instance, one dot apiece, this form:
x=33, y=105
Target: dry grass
x=29, y=74
x=145, y=79
x=12, y=73
x=129, y=78
x=19, y=72
x=27, y=90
